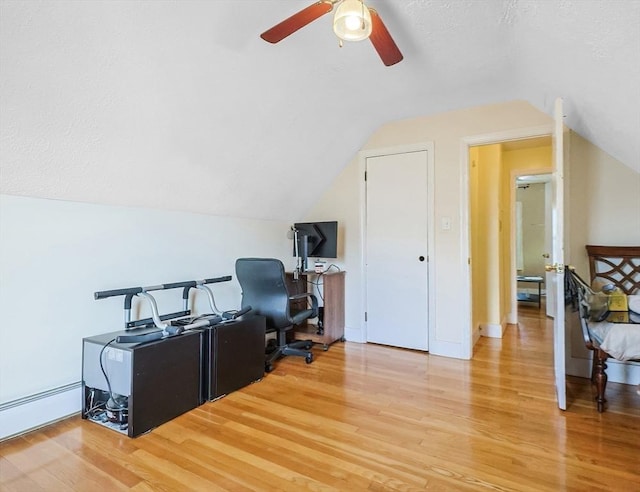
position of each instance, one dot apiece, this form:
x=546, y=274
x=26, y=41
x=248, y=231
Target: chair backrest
x=262, y=281
x=617, y=265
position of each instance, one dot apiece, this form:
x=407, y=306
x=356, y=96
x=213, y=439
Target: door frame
x=466, y=143
x=363, y=155
x=513, y=286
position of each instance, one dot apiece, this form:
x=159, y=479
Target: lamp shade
x=352, y=21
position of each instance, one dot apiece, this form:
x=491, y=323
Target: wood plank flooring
x=363, y=417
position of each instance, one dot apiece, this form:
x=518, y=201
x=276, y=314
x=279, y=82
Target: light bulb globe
x=352, y=21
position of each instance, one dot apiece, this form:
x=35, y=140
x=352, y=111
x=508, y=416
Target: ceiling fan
x=352, y=21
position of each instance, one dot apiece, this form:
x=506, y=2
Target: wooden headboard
x=618, y=265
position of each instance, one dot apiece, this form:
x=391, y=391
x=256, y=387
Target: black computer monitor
x=316, y=240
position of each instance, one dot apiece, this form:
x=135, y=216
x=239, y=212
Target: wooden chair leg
x=594, y=364
x=600, y=378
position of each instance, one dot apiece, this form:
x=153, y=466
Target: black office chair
x=263, y=285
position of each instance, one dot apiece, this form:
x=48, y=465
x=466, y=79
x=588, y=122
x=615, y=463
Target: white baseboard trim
x=475, y=336
x=617, y=371
x=354, y=335
x=623, y=372
x=32, y=412
x=448, y=349
x=436, y=347
x=491, y=330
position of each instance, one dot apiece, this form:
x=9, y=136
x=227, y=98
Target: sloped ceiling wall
x=180, y=105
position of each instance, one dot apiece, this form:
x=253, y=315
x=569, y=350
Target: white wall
x=447, y=132
x=55, y=254
x=486, y=248
x=604, y=202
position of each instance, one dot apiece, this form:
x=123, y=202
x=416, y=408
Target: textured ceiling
x=181, y=105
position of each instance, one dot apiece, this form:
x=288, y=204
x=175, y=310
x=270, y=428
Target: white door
x=396, y=250
x=548, y=245
x=556, y=269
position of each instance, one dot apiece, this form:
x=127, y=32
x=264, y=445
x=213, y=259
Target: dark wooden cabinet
x=155, y=381
x=329, y=289
x=233, y=355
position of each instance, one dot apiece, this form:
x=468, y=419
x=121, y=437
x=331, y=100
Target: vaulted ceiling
x=181, y=105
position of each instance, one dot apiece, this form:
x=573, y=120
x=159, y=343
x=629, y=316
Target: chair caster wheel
x=308, y=346
x=309, y=359
x=268, y=367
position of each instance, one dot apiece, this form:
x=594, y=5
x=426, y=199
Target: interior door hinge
x=365, y=316
x=365, y=175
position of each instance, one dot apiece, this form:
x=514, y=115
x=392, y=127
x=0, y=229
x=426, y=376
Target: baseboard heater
x=38, y=410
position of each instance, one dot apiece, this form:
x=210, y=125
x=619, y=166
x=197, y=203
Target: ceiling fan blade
x=383, y=42
x=297, y=21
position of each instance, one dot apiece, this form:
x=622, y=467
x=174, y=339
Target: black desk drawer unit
x=233, y=355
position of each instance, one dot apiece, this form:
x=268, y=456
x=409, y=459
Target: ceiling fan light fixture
x=352, y=21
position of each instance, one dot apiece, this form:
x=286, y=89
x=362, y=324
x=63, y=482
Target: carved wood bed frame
x=620, y=266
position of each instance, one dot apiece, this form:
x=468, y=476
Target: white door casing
x=465, y=225
x=550, y=305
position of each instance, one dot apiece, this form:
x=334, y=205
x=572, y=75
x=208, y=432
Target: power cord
x=106, y=378
x=116, y=405
x=316, y=283
x=94, y=406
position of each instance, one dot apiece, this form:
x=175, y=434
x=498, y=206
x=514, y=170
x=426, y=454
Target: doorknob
x=556, y=267
x=421, y=258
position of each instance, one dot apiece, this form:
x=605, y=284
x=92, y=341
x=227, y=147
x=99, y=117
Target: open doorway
x=493, y=170
x=532, y=238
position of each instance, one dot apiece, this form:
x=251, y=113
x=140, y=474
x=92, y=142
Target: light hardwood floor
x=363, y=417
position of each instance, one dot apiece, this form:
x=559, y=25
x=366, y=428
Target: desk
x=332, y=311
x=526, y=297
